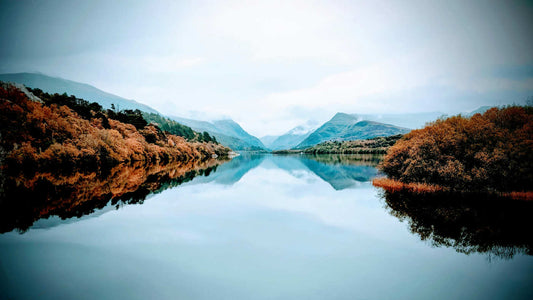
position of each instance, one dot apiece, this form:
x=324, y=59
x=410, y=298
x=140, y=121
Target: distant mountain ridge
x=300, y=139
x=227, y=132
x=58, y=85
x=291, y=138
x=346, y=127
x=268, y=139
x=406, y=120
x=287, y=141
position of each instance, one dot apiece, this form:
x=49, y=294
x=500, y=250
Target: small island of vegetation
x=488, y=153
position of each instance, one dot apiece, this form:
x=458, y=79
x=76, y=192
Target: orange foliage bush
x=34, y=135
x=489, y=152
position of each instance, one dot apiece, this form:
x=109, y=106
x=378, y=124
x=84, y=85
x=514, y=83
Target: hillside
x=231, y=128
x=226, y=132
x=377, y=145
x=178, y=129
x=345, y=127
x=65, y=132
x=54, y=85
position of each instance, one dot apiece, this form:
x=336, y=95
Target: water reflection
x=469, y=223
x=231, y=172
x=25, y=199
x=339, y=170
x=343, y=171
x=258, y=227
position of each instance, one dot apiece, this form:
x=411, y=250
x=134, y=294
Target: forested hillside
x=60, y=131
x=178, y=129
x=226, y=132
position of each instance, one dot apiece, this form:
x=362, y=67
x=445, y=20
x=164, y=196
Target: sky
x=273, y=65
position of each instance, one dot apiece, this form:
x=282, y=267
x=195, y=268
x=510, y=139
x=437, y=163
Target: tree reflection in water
x=25, y=199
x=469, y=223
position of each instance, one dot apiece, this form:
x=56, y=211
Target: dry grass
x=524, y=196
x=391, y=185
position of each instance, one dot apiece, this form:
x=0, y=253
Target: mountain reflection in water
x=341, y=171
x=468, y=223
x=25, y=199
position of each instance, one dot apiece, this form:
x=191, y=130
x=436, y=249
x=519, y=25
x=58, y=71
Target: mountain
x=347, y=127
x=81, y=90
x=233, y=129
x=268, y=139
x=227, y=132
x=291, y=138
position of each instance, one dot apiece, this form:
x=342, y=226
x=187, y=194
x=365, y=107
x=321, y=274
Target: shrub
x=489, y=152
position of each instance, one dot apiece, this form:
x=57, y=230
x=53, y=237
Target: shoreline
x=392, y=185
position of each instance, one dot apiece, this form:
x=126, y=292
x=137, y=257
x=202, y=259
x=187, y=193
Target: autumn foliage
x=487, y=152
x=35, y=135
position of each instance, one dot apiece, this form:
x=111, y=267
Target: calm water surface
x=257, y=227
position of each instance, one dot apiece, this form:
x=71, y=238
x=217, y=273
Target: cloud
x=165, y=64
x=352, y=88
x=271, y=30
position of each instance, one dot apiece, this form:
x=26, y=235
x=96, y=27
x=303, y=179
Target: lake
x=256, y=227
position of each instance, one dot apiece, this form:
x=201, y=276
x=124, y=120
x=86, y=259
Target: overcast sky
x=272, y=65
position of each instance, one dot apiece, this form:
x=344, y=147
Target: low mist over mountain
x=346, y=127
x=407, y=120
x=290, y=139
x=54, y=85
x=268, y=139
